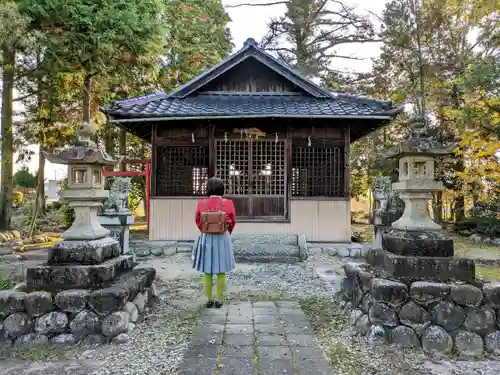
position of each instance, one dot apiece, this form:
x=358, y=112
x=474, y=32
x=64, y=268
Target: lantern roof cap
x=85, y=151
x=419, y=143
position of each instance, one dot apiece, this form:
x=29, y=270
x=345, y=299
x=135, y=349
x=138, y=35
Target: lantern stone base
x=417, y=243
x=84, y=252
x=86, y=276
x=415, y=268
x=441, y=318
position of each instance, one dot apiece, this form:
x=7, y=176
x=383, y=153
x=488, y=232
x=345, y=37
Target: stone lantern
x=417, y=181
x=87, y=257
x=85, y=191
x=415, y=233
x=86, y=287
x=414, y=247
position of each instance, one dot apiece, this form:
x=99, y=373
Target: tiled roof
x=191, y=101
x=233, y=104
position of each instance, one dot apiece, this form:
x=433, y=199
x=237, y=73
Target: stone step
x=264, y=253
x=274, y=239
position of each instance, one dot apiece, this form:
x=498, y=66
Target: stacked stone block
x=74, y=316
x=441, y=318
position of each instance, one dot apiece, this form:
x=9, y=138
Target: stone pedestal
x=416, y=195
x=417, y=243
x=119, y=227
x=418, y=268
x=386, y=208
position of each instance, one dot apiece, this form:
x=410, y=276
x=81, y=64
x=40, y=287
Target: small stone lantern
x=417, y=180
x=415, y=233
x=85, y=191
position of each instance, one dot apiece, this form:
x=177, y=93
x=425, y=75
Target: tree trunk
x=41, y=183
x=437, y=207
x=109, y=139
x=36, y=209
x=122, y=148
x=6, y=142
x=87, y=87
x=459, y=208
x=40, y=201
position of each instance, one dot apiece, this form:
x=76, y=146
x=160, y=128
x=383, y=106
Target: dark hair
x=215, y=186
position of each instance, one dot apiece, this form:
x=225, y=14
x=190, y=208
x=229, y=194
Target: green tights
x=220, y=283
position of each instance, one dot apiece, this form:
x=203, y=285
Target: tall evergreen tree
x=449, y=46
x=13, y=29
x=307, y=35
x=97, y=39
x=198, y=38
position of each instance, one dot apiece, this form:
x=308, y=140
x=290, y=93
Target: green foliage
x=197, y=39
x=24, y=179
x=96, y=37
x=67, y=213
x=56, y=205
x=13, y=25
x=307, y=35
x=461, y=91
x=138, y=193
x=6, y=284
x=17, y=199
x=487, y=226
x=483, y=219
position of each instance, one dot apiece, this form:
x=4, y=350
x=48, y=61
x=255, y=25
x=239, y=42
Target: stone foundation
x=417, y=243
x=441, y=318
x=417, y=268
x=151, y=249
x=75, y=316
x=59, y=277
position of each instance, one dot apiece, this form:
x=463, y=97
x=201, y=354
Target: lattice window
x=181, y=171
x=318, y=171
x=268, y=167
x=232, y=166
x=255, y=176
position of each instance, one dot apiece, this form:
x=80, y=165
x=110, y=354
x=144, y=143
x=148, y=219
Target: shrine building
x=279, y=141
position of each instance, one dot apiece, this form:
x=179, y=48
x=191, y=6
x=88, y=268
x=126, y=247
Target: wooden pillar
x=212, y=163
x=347, y=147
x=154, y=155
x=288, y=169
x=122, y=146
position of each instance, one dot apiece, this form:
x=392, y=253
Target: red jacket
x=213, y=203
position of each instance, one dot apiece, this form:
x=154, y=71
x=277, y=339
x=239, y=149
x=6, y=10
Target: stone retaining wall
x=484, y=239
x=441, y=318
x=148, y=249
x=343, y=250
x=76, y=315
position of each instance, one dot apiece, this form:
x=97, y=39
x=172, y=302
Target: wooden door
x=254, y=171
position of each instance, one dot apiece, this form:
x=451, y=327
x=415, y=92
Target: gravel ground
x=158, y=343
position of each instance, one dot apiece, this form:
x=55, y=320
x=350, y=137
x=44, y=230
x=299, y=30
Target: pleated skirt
x=214, y=253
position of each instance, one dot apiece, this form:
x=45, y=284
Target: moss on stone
x=487, y=273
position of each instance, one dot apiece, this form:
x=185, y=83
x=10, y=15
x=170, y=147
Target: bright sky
x=251, y=22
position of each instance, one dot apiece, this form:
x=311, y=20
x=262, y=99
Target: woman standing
x=216, y=218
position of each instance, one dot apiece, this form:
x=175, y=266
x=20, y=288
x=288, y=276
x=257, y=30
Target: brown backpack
x=214, y=222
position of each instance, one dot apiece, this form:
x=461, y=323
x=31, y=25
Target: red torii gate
x=146, y=173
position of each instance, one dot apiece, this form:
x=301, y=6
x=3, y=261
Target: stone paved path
x=260, y=338
x=49, y=368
